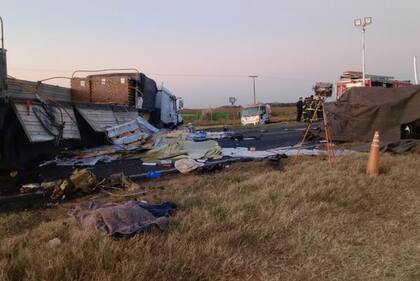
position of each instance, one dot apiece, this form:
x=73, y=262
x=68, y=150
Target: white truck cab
x=256, y=114
x=169, y=107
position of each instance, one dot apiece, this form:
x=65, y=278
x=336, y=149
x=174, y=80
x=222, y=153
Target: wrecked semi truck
x=38, y=120
x=156, y=104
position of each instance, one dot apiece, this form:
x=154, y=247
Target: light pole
x=363, y=23
x=253, y=83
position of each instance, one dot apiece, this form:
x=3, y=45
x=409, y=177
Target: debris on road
x=187, y=165
x=30, y=187
x=81, y=180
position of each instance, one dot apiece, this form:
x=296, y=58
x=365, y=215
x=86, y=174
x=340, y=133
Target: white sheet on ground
x=243, y=152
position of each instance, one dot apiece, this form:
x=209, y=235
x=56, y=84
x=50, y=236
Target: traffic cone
x=373, y=162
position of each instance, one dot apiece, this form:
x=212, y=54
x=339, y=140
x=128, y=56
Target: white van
x=256, y=114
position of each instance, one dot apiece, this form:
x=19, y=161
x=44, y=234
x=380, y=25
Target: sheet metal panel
x=34, y=129
x=103, y=117
x=23, y=89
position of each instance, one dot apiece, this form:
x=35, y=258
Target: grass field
x=231, y=116
x=248, y=222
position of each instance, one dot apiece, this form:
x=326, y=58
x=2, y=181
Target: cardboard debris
x=187, y=165
x=81, y=180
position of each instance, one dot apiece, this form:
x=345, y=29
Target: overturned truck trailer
x=394, y=112
x=38, y=120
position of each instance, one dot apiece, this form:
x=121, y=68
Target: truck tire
x=408, y=131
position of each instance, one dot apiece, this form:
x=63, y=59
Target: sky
x=204, y=51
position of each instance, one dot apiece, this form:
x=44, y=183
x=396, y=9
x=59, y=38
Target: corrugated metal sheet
x=34, y=129
x=103, y=117
x=23, y=89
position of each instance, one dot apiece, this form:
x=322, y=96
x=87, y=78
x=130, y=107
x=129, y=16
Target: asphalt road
x=266, y=137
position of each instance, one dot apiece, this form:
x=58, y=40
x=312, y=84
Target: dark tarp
x=361, y=111
x=149, y=89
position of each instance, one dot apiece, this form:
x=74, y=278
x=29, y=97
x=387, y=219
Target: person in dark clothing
x=299, y=109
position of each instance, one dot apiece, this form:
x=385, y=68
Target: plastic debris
x=152, y=175
x=30, y=187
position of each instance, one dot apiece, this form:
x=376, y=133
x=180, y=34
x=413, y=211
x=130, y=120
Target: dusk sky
x=205, y=50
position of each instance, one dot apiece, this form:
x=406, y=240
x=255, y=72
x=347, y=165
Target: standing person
x=299, y=109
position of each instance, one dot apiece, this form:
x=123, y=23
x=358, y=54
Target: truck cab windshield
x=251, y=111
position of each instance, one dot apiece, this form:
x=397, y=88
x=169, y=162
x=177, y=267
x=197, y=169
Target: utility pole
x=363, y=23
x=253, y=83
x=3, y=63
x=416, y=81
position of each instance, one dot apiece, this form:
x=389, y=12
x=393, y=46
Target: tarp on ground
x=125, y=219
x=195, y=150
x=361, y=111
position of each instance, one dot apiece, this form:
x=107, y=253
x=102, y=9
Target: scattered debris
x=81, y=180
x=53, y=243
x=153, y=175
x=29, y=187
x=187, y=165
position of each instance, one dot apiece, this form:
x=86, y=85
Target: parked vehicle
x=256, y=114
x=351, y=79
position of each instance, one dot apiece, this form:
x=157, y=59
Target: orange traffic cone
x=373, y=162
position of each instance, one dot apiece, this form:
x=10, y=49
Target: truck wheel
x=408, y=131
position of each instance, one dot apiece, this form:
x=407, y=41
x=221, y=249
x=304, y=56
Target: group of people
x=309, y=107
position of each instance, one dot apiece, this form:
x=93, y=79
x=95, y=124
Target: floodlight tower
x=363, y=23
x=253, y=81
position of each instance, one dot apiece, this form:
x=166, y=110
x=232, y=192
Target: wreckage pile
x=154, y=151
x=139, y=150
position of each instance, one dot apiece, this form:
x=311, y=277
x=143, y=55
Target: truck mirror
x=180, y=103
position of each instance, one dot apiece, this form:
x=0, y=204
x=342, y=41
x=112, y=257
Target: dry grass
x=248, y=222
x=231, y=116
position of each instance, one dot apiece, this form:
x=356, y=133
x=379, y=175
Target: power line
x=198, y=75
